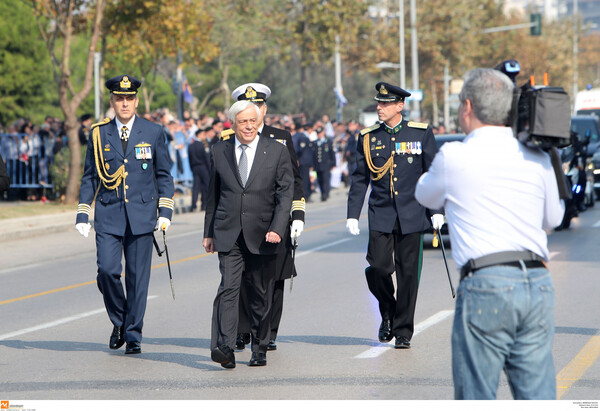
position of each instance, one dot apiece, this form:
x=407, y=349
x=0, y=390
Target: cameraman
x=499, y=197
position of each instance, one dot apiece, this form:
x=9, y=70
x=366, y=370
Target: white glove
x=297, y=228
x=437, y=221
x=83, y=228
x=163, y=223
x=352, y=226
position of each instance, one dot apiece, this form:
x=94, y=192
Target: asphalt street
x=54, y=334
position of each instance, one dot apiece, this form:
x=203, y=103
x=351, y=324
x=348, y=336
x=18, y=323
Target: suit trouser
x=125, y=311
x=306, y=184
x=402, y=253
x=276, y=310
x=257, y=273
x=200, y=186
x=324, y=180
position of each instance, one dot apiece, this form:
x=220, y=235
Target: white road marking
x=597, y=224
x=312, y=250
x=431, y=321
x=56, y=323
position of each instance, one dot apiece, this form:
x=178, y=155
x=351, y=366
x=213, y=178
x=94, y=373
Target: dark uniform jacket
x=323, y=154
x=413, y=147
x=145, y=188
x=199, y=155
x=303, y=149
x=261, y=206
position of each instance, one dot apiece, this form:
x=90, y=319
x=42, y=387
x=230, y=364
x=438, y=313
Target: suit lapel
x=259, y=159
x=135, y=136
x=229, y=153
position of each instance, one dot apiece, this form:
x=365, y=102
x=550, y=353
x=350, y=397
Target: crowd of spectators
x=29, y=149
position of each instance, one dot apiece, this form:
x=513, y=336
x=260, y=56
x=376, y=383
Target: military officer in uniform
x=323, y=162
x=303, y=148
x=127, y=178
x=391, y=156
x=259, y=93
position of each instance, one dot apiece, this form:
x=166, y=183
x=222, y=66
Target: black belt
x=510, y=258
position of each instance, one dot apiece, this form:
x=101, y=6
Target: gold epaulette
x=414, y=124
x=299, y=205
x=103, y=122
x=226, y=134
x=369, y=129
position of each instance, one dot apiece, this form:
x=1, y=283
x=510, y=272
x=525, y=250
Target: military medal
x=410, y=160
x=144, y=165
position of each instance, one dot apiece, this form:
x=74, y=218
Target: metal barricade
x=28, y=158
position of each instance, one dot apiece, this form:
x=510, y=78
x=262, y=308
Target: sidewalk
x=26, y=227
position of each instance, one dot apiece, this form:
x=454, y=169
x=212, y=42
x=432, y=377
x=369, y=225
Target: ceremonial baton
x=294, y=245
x=169, y=263
x=445, y=261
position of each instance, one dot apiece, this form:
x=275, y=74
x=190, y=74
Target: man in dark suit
x=323, y=162
x=284, y=266
x=199, y=158
x=249, y=202
x=391, y=156
x=127, y=174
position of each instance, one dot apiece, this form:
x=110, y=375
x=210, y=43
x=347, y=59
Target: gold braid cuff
x=110, y=181
x=379, y=172
x=299, y=205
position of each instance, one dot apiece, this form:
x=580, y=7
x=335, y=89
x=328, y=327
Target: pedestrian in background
x=390, y=157
x=500, y=196
x=199, y=156
x=323, y=162
x=127, y=177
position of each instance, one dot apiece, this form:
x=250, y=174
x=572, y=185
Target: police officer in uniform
x=259, y=93
x=127, y=178
x=391, y=156
x=323, y=162
x=303, y=148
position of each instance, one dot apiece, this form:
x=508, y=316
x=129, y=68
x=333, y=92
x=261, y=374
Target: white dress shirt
x=498, y=194
x=250, y=152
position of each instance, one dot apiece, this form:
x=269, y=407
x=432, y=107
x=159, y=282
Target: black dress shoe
x=402, y=342
x=133, y=348
x=258, y=359
x=240, y=344
x=246, y=338
x=224, y=356
x=385, y=331
x=116, y=338
x=272, y=346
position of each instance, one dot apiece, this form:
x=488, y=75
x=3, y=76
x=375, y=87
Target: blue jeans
x=504, y=319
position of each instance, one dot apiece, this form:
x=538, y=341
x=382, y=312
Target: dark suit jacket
x=147, y=187
x=263, y=205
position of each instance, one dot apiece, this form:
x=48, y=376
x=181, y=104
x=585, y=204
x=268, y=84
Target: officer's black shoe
x=224, y=356
x=133, y=348
x=240, y=343
x=402, y=342
x=385, y=331
x=258, y=359
x=246, y=338
x=272, y=346
x=116, y=338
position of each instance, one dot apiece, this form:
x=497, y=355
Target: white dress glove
x=297, y=228
x=437, y=221
x=163, y=223
x=83, y=228
x=352, y=226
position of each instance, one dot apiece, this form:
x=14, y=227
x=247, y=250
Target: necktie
x=124, y=133
x=243, y=164
x=124, y=138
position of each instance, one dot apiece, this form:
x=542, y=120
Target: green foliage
x=26, y=86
